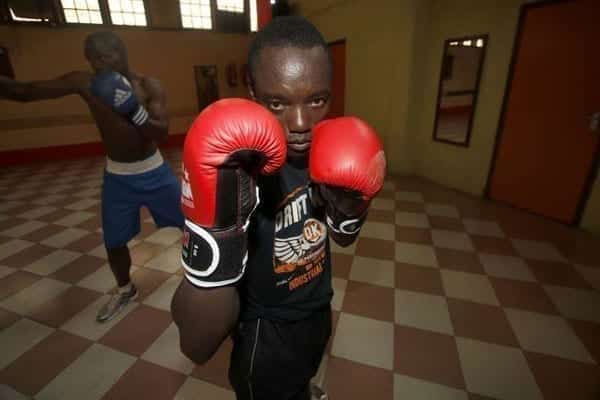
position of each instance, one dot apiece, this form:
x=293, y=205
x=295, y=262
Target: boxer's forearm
x=39, y=90
x=12, y=90
x=29, y=91
x=204, y=318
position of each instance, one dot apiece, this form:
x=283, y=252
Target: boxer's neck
x=298, y=162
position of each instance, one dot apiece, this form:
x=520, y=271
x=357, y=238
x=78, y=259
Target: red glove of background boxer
x=230, y=142
x=348, y=164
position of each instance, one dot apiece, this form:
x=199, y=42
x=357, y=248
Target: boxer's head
x=106, y=51
x=290, y=74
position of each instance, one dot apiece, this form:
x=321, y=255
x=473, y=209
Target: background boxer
x=130, y=113
x=284, y=284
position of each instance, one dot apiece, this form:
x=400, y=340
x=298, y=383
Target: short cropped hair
x=99, y=43
x=292, y=31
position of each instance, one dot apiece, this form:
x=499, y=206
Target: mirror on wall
x=460, y=74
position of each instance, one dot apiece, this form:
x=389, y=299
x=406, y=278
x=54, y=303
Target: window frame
x=61, y=11
x=248, y=8
x=213, y=8
x=58, y=19
x=244, y=8
x=110, y=21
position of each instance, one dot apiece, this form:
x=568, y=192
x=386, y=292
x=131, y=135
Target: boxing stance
x=130, y=113
x=258, y=261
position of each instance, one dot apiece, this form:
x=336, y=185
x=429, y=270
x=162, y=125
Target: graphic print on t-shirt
x=299, y=242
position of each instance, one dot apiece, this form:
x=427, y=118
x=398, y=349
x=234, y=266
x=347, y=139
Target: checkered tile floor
x=443, y=297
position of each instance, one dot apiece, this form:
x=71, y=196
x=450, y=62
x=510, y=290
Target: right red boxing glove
x=348, y=162
x=230, y=142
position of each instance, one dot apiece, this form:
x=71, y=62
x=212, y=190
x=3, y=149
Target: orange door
x=338, y=84
x=546, y=148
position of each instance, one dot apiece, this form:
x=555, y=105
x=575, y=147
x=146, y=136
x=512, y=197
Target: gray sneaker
x=317, y=393
x=115, y=304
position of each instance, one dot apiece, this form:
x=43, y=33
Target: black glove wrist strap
x=342, y=224
x=213, y=258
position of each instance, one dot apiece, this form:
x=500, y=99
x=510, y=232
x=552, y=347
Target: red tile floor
x=443, y=297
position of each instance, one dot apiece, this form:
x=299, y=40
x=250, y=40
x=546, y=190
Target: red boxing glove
x=348, y=163
x=230, y=142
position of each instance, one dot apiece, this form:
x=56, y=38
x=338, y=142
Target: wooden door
x=546, y=148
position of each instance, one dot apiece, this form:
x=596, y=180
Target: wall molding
x=50, y=121
x=68, y=152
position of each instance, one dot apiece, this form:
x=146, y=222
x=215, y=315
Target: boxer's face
x=108, y=59
x=295, y=84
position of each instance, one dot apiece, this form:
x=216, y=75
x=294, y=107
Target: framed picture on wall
x=207, y=85
x=231, y=74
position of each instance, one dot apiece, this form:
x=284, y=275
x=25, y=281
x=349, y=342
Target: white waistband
x=136, y=167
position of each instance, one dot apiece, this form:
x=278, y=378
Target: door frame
x=592, y=174
x=338, y=41
x=333, y=43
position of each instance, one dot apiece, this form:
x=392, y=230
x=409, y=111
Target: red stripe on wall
x=263, y=10
x=68, y=152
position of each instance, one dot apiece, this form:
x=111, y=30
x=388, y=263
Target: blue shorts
x=123, y=196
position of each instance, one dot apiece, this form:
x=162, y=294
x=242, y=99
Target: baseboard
x=68, y=152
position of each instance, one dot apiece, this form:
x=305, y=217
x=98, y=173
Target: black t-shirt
x=288, y=272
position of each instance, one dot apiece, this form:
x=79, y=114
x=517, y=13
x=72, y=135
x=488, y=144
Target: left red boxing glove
x=229, y=143
x=348, y=162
